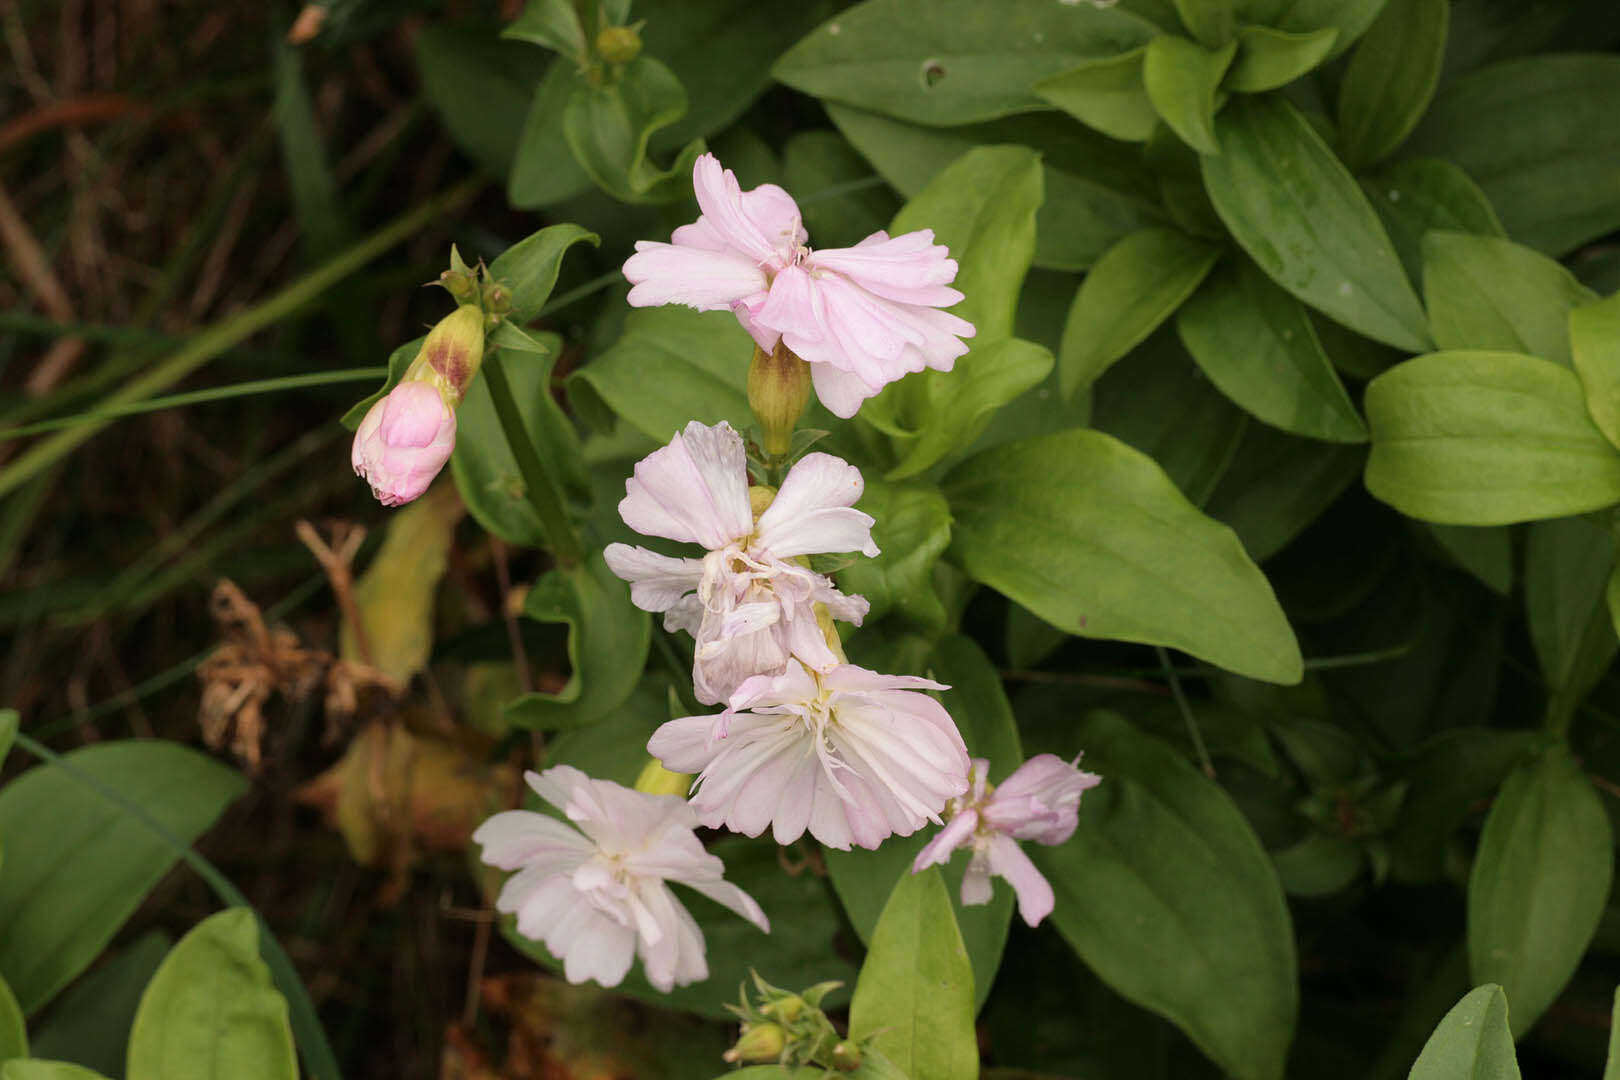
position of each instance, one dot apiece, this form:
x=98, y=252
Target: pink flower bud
x=404, y=441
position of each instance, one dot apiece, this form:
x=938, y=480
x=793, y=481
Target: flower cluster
x=805, y=741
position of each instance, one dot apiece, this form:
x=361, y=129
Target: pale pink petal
x=976, y=885
x=515, y=838
x=403, y=442
x=705, y=280
x=764, y=336
x=807, y=643
x=685, y=614
x=908, y=269
x=684, y=745
x=1040, y=801
x=850, y=607
x=724, y=663
x=791, y=307
x=1007, y=860
x=798, y=799
x=829, y=818
x=851, y=678
x=813, y=513
x=744, y=619
x=657, y=582
x=730, y=896
x=720, y=198
x=694, y=490
x=793, y=685
x=599, y=951
x=958, y=832
x=839, y=391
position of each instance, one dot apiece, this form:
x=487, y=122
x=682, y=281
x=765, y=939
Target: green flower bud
x=778, y=391
x=618, y=44
x=847, y=1057
x=786, y=1009
x=452, y=353
x=758, y=1042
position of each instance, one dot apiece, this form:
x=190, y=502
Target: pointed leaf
x=1256, y=343
x=90, y=1024
x=1472, y=1042
x=1276, y=485
x=1267, y=58
x=913, y=529
x=1350, y=18
x=8, y=732
x=1299, y=214
x=1134, y=287
x=1539, y=883
x=45, y=1070
x=1611, y=1064
x=1486, y=438
x=1133, y=561
x=1210, y=21
x=544, y=171
x=529, y=267
x=1391, y=78
x=1484, y=292
x=1182, y=80
x=1415, y=196
x=914, y=998
x=1107, y=94
x=211, y=1011
x=13, y=1032
x=1594, y=338
x=609, y=127
x=554, y=25
x=479, y=85
x=1567, y=564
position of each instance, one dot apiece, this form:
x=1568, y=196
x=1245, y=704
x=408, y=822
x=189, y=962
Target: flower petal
x=1035, y=899
x=693, y=490
x=731, y=896
x=720, y=198
x=679, y=274
x=657, y=582
x=908, y=269
x=957, y=833
x=813, y=511
x=517, y=838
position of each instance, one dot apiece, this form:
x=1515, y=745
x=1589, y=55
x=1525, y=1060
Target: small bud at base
x=847, y=1057
x=758, y=1042
x=618, y=44
x=403, y=442
x=778, y=391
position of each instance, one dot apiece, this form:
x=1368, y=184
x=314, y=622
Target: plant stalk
x=542, y=491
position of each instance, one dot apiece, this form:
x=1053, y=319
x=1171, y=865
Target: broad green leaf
x=1097, y=191
x=1209, y=21
x=1529, y=131
x=1391, y=78
x=1267, y=58
x=1134, y=287
x=830, y=180
x=1277, y=484
x=608, y=638
x=1539, y=883
x=608, y=128
x=485, y=470
x=1166, y=894
x=1486, y=438
x=1594, y=339
x=66, y=890
x=1133, y=561
x=1415, y=196
x=1182, y=79
x=1180, y=185
x=211, y=1011
x=913, y=529
x=914, y=998
x=8, y=732
x=671, y=365
x=398, y=361
x=543, y=169
x=1484, y=292
x=13, y=1030
x=944, y=62
x=1472, y=1043
x=46, y=1070
x=395, y=596
x=1611, y=1064
x=1567, y=564
x=529, y=267
x=554, y=25
x=1484, y=551
x=865, y=879
x=1350, y=18
x=1299, y=214
x=1256, y=343
x=1107, y=94
x=480, y=86
x=90, y=1024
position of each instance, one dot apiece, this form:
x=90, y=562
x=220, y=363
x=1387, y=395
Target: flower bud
x=787, y=1008
x=847, y=1057
x=657, y=780
x=758, y=1042
x=778, y=391
x=404, y=441
x=452, y=353
x=618, y=44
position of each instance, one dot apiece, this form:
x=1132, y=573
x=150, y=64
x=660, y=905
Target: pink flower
x=849, y=754
x=596, y=894
x=862, y=316
x=748, y=603
x=1040, y=801
x=404, y=441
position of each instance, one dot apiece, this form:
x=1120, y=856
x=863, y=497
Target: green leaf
x=485, y=470
x=1472, y=1042
x=1529, y=131
x=1182, y=80
x=1539, y=883
x=1486, y=438
x=608, y=638
x=544, y=171
x=1421, y=194
x=946, y=62
x=554, y=25
x=1594, y=339
x=1277, y=485
x=1096, y=190
x=1210, y=21
x=865, y=879
x=1567, y=565
x=1107, y=94
x=529, y=267
x=832, y=184
x=8, y=731
x=914, y=999
x=1299, y=214
x=398, y=361
x=1486, y=552
x=45, y=1070
x=1267, y=58
x=1447, y=777
x=1256, y=343
x=1133, y=561
x=671, y=365
x=913, y=529
x=1391, y=78
x=90, y=1024
x=211, y=1011
x=66, y=890
x=959, y=403
x=13, y=1031
x=1134, y=287
x=1484, y=292
x=1350, y=18
x=1611, y=1064
x=480, y=86
x=1166, y=894
x=609, y=127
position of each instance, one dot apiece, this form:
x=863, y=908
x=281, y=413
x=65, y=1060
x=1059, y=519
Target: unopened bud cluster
x=790, y=1029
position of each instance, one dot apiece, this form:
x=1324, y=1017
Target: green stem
x=543, y=494
x=317, y=1053
x=1186, y=712
x=215, y=340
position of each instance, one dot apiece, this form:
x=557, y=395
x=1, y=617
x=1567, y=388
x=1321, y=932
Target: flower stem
x=543, y=493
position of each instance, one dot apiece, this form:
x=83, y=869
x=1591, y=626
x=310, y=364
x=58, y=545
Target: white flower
x=1040, y=801
x=749, y=603
x=849, y=754
x=597, y=895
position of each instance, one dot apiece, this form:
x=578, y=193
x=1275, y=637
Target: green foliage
x=91, y=1022
x=1472, y=1042
x=13, y=1033
x=1391, y=78
x=1483, y=292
